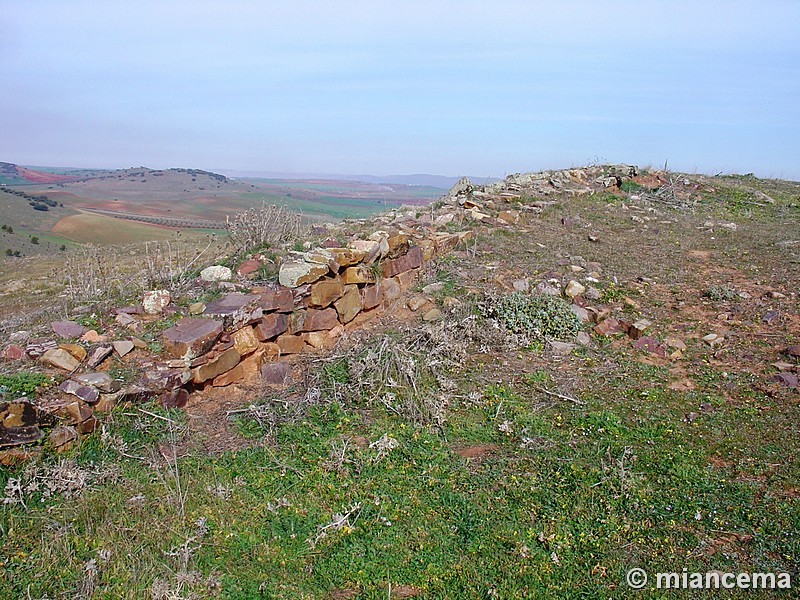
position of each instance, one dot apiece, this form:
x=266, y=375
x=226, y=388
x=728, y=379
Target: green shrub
x=15, y=385
x=534, y=317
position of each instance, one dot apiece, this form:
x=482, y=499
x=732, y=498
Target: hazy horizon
x=444, y=88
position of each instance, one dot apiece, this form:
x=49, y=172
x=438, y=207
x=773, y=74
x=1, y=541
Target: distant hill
x=438, y=181
x=11, y=174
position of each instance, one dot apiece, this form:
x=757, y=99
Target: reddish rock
x=291, y=344
x=270, y=326
x=407, y=279
x=359, y=274
x=651, y=345
x=410, y=260
x=62, y=437
x=348, y=306
x=13, y=352
x=390, y=289
x=93, y=337
x=86, y=393
x=280, y=299
x=371, y=296
x=249, y=266
x=191, y=336
x=247, y=370
x=787, y=379
x=314, y=320
x=245, y=341
x=324, y=292
x=275, y=373
x=17, y=436
x=219, y=365
x=12, y=457
x=98, y=355
x=176, y=398
x=321, y=340
x=608, y=326
x=122, y=347
x=793, y=351
x=68, y=329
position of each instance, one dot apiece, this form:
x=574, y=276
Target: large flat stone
x=68, y=329
x=410, y=260
x=315, y=320
x=371, y=296
x=235, y=309
x=349, y=305
x=325, y=291
x=359, y=274
x=221, y=364
x=60, y=358
x=297, y=272
x=291, y=344
x=245, y=341
x=191, y=337
x=280, y=299
x=270, y=326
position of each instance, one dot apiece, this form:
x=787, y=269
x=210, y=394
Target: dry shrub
x=405, y=371
x=263, y=227
x=94, y=274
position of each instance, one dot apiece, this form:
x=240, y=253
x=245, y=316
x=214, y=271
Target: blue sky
x=480, y=88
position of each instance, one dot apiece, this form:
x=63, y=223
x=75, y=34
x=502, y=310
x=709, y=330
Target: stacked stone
x=321, y=293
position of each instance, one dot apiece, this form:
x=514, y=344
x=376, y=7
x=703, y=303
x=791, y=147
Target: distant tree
x=34, y=239
x=63, y=247
x=10, y=229
x=16, y=253
x=4, y=227
x=9, y=252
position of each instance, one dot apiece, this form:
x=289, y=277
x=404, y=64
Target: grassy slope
x=562, y=497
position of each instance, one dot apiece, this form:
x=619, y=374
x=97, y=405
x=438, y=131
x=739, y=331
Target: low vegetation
x=465, y=457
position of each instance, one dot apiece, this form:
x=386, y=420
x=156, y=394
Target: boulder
x=297, y=272
x=216, y=273
x=155, y=301
x=100, y=380
x=68, y=329
x=573, y=288
x=411, y=260
x=13, y=352
x=359, y=274
x=177, y=398
x=225, y=361
x=325, y=291
x=122, y=347
x=348, y=306
x=291, y=344
x=280, y=299
x=61, y=359
x=270, y=326
x=87, y=393
x=275, y=373
x=98, y=355
x=371, y=296
x=245, y=341
x=191, y=337
x=315, y=320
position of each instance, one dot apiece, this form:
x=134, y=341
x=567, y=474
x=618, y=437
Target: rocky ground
x=631, y=315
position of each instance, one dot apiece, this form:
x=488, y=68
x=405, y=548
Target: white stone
x=216, y=273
